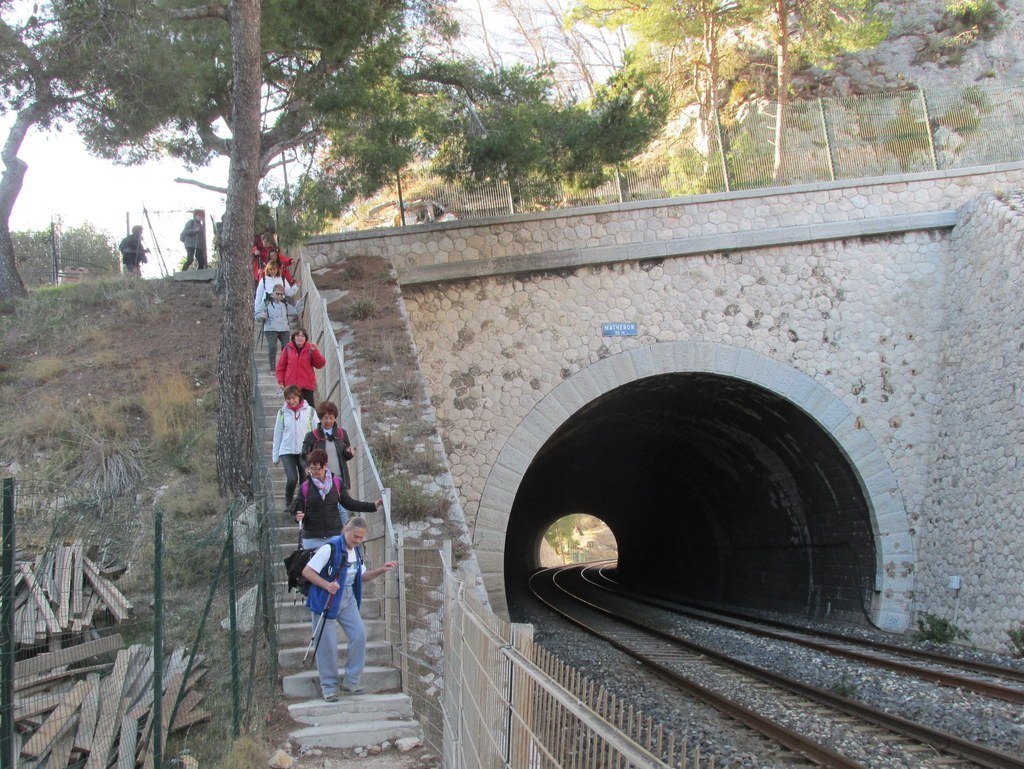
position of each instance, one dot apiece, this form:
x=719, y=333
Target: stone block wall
x=918, y=339
x=634, y=225
x=862, y=318
x=972, y=516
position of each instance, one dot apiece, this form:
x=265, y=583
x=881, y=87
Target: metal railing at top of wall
x=826, y=139
x=333, y=385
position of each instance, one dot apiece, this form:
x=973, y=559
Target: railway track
x=826, y=728
x=999, y=681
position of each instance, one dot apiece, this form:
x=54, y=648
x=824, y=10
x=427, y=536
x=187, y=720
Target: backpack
x=298, y=560
x=304, y=488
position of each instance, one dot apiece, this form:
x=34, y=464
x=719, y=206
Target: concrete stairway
x=384, y=713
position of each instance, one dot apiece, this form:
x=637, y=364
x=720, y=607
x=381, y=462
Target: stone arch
x=893, y=542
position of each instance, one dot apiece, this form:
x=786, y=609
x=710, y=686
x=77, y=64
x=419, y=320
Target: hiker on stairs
x=316, y=503
x=294, y=420
x=336, y=575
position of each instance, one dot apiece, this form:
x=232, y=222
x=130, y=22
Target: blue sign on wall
x=618, y=329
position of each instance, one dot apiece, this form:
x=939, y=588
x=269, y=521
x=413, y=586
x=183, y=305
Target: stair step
x=305, y=685
x=356, y=735
x=298, y=633
x=292, y=608
x=377, y=653
x=365, y=707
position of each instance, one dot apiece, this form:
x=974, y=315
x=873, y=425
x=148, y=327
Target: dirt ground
x=275, y=737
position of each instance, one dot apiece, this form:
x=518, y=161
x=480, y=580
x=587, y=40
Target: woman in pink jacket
x=296, y=363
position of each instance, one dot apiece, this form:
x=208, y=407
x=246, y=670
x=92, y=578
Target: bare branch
x=211, y=11
x=202, y=185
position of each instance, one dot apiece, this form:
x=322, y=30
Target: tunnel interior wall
x=716, y=490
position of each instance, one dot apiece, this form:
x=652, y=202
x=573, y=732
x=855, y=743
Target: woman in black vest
x=316, y=502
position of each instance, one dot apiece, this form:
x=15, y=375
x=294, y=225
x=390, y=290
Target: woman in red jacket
x=296, y=363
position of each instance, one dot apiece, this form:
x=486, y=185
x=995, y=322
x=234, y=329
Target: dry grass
x=42, y=369
x=401, y=385
x=172, y=406
x=361, y=309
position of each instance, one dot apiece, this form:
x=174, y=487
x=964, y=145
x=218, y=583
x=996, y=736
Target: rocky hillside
x=933, y=47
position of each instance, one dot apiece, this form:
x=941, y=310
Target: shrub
x=938, y=629
x=387, y=448
x=1017, y=640
x=42, y=369
x=424, y=463
x=411, y=503
x=361, y=309
x=400, y=385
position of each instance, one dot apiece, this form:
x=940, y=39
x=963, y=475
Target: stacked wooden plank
x=61, y=592
x=97, y=714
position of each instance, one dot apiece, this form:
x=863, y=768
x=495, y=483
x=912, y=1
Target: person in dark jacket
x=332, y=438
x=316, y=502
x=295, y=366
x=133, y=253
x=193, y=237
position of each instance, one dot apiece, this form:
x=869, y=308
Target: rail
x=509, y=704
x=333, y=385
x=828, y=139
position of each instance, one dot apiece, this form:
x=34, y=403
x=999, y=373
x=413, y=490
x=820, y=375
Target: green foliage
x=938, y=629
x=83, y=246
x=980, y=18
x=1016, y=635
x=409, y=502
x=561, y=535
x=361, y=309
x=513, y=131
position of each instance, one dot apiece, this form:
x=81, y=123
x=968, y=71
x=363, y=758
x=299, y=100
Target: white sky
x=63, y=181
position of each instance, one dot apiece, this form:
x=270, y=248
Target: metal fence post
x=236, y=698
x=721, y=151
x=827, y=133
x=158, y=638
x=508, y=195
x=7, y=653
x=928, y=131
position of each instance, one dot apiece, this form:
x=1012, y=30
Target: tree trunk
x=782, y=90
x=11, y=285
x=234, y=419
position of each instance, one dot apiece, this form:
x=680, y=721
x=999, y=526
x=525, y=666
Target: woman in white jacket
x=294, y=420
x=272, y=277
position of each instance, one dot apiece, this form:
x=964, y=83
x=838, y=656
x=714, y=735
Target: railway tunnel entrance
x=716, y=489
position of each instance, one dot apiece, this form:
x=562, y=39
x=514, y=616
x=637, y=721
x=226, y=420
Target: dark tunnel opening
x=717, y=491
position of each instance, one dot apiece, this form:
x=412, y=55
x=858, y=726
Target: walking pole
x=317, y=635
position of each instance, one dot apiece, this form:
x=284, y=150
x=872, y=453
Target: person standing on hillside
x=193, y=237
x=133, y=253
x=336, y=574
x=296, y=364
